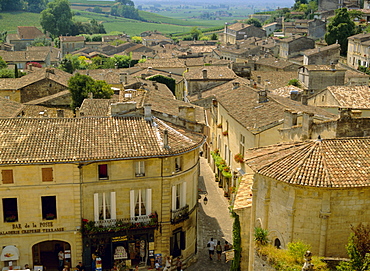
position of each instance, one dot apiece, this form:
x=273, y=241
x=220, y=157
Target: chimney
x=91, y=96
x=266, y=84
x=165, y=139
x=204, y=71
x=60, y=113
x=290, y=118
x=77, y=112
x=332, y=66
x=242, y=25
x=237, y=46
x=187, y=112
x=236, y=85
x=259, y=79
x=307, y=121
x=170, y=74
x=304, y=98
x=262, y=96
x=123, y=78
x=147, y=111
x=143, y=76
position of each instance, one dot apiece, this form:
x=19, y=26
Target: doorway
x=45, y=254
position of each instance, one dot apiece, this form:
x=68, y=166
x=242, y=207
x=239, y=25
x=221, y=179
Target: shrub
x=297, y=251
x=260, y=236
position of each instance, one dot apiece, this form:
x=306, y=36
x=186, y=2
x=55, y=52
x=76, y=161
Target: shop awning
x=9, y=253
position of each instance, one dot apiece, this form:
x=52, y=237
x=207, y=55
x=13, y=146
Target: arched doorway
x=46, y=254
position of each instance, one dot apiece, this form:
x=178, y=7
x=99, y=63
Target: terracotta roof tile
x=339, y=162
x=356, y=97
x=53, y=140
x=29, y=32
x=19, y=56
x=213, y=73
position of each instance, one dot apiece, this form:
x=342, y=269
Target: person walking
x=218, y=250
x=211, y=248
x=179, y=264
x=168, y=264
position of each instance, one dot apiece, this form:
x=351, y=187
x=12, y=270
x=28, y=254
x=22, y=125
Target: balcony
x=119, y=225
x=180, y=214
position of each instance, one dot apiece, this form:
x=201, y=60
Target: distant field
x=10, y=20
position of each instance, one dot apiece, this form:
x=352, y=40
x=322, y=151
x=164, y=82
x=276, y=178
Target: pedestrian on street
x=179, y=264
x=157, y=266
x=168, y=264
x=218, y=250
x=211, y=248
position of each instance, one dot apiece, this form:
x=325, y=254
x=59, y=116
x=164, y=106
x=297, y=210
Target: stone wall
x=42, y=88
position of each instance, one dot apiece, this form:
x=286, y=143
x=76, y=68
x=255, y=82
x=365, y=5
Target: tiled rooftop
x=286, y=90
x=213, y=73
x=23, y=56
x=339, y=162
x=52, y=140
x=356, y=97
x=318, y=50
x=29, y=32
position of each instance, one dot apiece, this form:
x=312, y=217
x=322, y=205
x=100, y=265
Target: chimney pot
x=147, y=111
x=165, y=139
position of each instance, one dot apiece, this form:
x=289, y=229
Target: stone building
x=322, y=55
x=318, y=77
x=22, y=58
x=92, y=186
x=293, y=46
x=239, y=31
x=358, y=53
x=24, y=37
x=40, y=83
x=306, y=191
x=69, y=44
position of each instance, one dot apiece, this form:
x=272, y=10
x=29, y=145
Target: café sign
x=41, y=227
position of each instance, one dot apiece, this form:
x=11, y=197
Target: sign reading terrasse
x=32, y=228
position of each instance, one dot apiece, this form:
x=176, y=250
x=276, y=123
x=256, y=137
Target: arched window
x=277, y=243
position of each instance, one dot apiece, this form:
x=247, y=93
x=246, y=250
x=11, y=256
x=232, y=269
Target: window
x=7, y=175
x=49, y=207
x=7, y=97
x=47, y=174
x=242, y=144
x=179, y=196
x=140, y=169
x=104, y=206
x=103, y=172
x=178, y=162
x=177, y=242
x=140, y=202
x=10, y=210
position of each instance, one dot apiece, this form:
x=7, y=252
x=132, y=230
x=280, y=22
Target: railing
x=117, y=225
x=180, y=214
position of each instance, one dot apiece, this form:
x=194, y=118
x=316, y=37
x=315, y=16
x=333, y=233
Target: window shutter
x=182, y=240
x=132, y=203
x=7, y=176
x=183, y=194
x=47, y=174
x=96, y=206
x=113, y=205
x=148, y=201
x=174, y=197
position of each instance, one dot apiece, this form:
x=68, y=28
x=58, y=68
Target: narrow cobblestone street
x=214, y=220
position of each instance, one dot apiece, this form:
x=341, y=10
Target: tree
x=254, y=21
x=214, y=36
x=137, y=39
x=81, y=85
x=358, y=249
x=36, y=5
x=195, y=33
x=12, y=5
x=41, y=42
x=3, y=64
x=57, y=18
x=339, y=29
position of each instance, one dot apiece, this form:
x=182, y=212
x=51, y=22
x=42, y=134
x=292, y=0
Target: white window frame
x=111, y=205
x=179, y=192
x=139, y=168
x=148, y=202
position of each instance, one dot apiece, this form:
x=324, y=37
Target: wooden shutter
x=183, y=194
x=47, y=174
x=148, y=201
x=96, y=207
x=182, y=240
x=132, y=203
x=7, y=176
x=113, y=205
x=174, y=197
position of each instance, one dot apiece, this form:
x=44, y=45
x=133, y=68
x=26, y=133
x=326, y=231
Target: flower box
x=11, y=218
x=225, y=133
x=239, y=158
x=219, y=125
x=49, y=216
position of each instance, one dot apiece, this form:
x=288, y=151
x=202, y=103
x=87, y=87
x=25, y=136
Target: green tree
x=12, y=5
x=137, y=39
x=168, y=81
x=195, y=33
x=358, y=249
x=41, y=42
x=36, y=5
x=70, y=63
x=235, y=265
x=339, y=29
x=214, y=36
x=3, y=64
x=81, y=85
x=254, y=21
x=57, y=18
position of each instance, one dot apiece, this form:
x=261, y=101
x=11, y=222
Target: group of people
x=167, y=266
x=213, y=246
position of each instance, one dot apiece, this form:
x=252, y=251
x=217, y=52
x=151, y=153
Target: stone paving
x=214, y=220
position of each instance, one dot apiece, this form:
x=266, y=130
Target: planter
x=225, y=133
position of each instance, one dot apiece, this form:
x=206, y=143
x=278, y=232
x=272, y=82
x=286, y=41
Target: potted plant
x=11, y=218
x=219, y=125
x=225, y=133
x=239, y=158
x=49, y=216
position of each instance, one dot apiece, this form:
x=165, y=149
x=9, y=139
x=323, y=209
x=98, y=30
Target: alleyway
x=214, y=220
